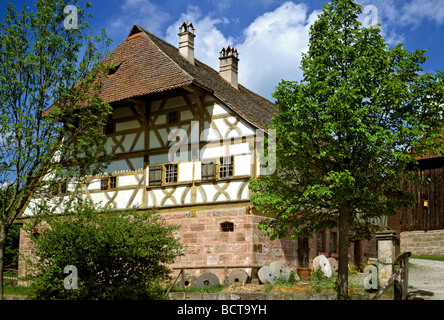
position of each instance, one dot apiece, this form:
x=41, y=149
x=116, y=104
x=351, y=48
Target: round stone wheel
x=283, y=273
x=189, y=280
x=322, y=262
x=267, y=275
x=206, y=280
x=238, y=276
x=333, y=264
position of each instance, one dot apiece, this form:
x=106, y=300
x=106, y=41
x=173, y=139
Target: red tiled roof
x=150, y=65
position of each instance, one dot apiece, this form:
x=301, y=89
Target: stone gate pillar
x=386, y=255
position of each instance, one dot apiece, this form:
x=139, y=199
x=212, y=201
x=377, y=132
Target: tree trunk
x=344, y=237
x=303, y=252
x=2, y=255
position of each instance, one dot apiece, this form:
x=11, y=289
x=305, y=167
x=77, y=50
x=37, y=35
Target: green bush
x=116, y=255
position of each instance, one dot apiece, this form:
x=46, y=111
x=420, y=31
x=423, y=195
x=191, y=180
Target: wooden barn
x=421, y=228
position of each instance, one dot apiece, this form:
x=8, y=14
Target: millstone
x=189, y=280
x=207, y=279
x=333, y=264
x=267, y=275
x=322, y=262
x=283, y=273
x=238, y=276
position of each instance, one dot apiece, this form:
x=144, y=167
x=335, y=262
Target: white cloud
x=142, y=12
x=416, y=11
x=270, y=48
x=273, y=46
x=209, y=39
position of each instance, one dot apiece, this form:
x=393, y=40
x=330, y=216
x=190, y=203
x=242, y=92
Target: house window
x=209, y=170
x=109, y=128
x=113, y=182
x=155, y=176
x=63, y=187
x=321, y=242
x=226, y=167
x=108, y=183
x=227, y=226
x=173, y=117
x=170, y=173
x=333, y=242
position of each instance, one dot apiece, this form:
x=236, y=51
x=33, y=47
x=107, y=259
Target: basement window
x=227, y=226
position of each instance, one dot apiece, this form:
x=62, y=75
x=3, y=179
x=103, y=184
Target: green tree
x=348, y=133
x=48, y=74
x=117, y=255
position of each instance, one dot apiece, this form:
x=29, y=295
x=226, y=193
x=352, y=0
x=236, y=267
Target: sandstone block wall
x=423, y=242
x=208, y=245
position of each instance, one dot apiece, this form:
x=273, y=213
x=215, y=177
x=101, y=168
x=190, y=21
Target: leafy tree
x=48, y=74
x=348, y=133
x=117, y=255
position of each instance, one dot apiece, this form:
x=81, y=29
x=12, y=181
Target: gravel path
x=427, y=275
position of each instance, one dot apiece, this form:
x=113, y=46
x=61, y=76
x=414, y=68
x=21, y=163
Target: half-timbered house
x=186, y=140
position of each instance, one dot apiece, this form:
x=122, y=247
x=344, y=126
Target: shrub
x=116, y=255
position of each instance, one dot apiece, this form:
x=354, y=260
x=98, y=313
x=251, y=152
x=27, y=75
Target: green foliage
x=320, y=283
x=350, y=131
x=12, y=247
x=117, y=255
x=51, y=114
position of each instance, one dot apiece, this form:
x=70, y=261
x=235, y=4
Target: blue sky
x=270, y=35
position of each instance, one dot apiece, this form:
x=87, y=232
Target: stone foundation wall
x=208, y=245
x=423, y=242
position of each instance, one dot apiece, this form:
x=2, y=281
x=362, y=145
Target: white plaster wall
x=185, y=171
x=242, y=165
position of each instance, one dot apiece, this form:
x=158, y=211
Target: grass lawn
x=10, y=287
x=435, y=258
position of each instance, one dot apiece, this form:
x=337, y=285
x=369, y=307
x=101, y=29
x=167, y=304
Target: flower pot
x=304, y=273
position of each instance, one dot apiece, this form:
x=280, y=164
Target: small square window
x=226, y=167
x=113, y=182
x=108, y=183
x=155, y=176
x=173, y=117
x=171, y=173
x=227, y=226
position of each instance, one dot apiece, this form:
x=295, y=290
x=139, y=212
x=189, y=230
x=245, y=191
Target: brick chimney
x=229, y=59
x=186, y=41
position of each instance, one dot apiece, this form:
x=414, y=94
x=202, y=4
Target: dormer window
x=113, y=69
